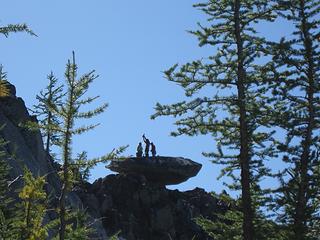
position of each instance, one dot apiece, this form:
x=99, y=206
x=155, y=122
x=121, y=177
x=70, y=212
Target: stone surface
x=160, y=170
x=142, y=210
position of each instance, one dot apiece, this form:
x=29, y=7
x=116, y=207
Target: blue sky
x=129, y=44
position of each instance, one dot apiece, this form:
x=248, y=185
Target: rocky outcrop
x=25, y=149
x=142, y=210
x=26, y=146
x=160, y=170
x=135, y=201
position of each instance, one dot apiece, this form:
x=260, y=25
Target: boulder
x=160, y=170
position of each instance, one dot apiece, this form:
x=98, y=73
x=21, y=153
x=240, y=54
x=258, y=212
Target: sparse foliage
x=69, y=111
x=33, y=202
x=236, y=110
x=48, y=99
x=4, y=90
x=5, y=200
x=15, y=28
x=296, y=91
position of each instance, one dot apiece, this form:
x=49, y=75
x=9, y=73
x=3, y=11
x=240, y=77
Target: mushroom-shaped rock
x=160, y=170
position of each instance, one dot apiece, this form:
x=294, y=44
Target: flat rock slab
x=161, y=170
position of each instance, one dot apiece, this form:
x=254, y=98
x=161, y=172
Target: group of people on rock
x=147, y=148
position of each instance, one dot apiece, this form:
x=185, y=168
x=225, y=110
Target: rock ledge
x=160, y=170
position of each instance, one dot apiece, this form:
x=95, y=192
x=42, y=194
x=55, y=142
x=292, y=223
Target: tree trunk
x=48, y=133
x=66, y=155
x=64, y=189
x=248, y=230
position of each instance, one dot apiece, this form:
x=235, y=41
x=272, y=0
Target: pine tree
x=5, y=200
x=228, y=223
x=7, y=213
x=69, y=112
x=15, y=28
x=297, y=94
x=237, y=109
x=48, y=99
x=29, y=225
x=6, y=30
x=79, y=229
x=23, y=220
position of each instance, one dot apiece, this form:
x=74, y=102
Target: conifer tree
x=236, y=110
x=23, y=220
x=48, y=99
x=228, y=224
x=15, y=28
x=70, y=111
x=6, y=30
x=297, y=92
x=79, y=229
x=5, y=200
x=33, y=197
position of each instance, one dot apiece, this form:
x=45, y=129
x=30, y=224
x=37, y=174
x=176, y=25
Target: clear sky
x=129, y=44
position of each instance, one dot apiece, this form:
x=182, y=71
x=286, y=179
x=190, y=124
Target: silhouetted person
x=153, y=150
x=147, y=142
x=139, y=150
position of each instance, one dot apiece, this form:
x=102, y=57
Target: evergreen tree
x=23, y=220
x=5, y=200
x=237, y=109
x=14, y=28
x=69, y=112
x=7, y=213
x=29, y=225
x=228, y=224
x=6, y=30
x=297, y=93
x=48, y=99
x=79, y=229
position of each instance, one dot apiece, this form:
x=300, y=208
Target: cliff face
x=133, y=203
x=25, y=149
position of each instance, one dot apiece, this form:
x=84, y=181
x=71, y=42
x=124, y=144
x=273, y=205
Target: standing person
x=139, y=150
x=147, y=142
x=153, y=150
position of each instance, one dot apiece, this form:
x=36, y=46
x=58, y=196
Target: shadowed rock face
x=160, y=170
x=27, y=148
x=142, y=210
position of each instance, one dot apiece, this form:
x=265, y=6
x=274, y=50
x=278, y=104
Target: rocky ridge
x=135, y=202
